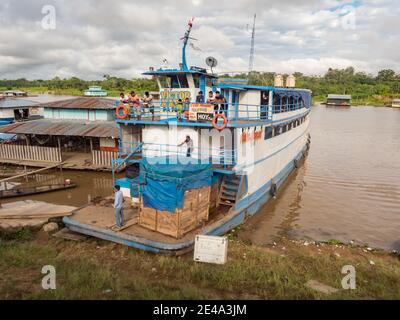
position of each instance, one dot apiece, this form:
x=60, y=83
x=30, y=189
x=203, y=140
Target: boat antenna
x=251, y=59
x=185, y=39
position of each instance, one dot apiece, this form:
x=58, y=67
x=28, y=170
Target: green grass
x=95, y=269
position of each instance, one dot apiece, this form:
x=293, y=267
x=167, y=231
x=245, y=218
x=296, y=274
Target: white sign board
x=210, y=249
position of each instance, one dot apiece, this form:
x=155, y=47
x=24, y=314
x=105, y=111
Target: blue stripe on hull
x=245, y=207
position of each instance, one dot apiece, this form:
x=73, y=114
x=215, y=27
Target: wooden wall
x=30, y=153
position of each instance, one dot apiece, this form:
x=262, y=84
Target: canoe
x=25, y=191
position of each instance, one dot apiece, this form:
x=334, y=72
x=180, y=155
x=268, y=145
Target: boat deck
x=99, y=220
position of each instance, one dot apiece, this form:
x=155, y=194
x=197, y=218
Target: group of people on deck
x=217, y=99
x=134, y=100
x=139, y=104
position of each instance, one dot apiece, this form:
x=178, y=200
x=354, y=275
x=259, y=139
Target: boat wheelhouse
x=202, y=165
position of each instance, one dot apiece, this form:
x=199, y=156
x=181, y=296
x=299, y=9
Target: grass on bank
x=95, y=269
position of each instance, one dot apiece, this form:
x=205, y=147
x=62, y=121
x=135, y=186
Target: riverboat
x=204, y=162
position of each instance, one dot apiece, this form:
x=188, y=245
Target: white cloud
x=123, y=38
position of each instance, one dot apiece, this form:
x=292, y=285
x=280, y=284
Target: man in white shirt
x=119, y=206
x=189, y=143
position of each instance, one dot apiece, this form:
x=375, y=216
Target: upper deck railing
x=183, y=112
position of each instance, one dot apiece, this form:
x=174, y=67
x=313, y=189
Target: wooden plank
x=31, y=172
x=127, y=224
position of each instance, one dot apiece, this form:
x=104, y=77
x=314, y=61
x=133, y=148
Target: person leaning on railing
x=220, y=102
x=148, y=103
x=134, y=101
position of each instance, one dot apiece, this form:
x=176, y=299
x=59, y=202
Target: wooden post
x=59, y=147
x=26, y=174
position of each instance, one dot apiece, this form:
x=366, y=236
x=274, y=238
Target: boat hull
x=29, y=191
x=236, y=216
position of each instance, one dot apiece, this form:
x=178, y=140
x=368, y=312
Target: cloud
x=124, y=38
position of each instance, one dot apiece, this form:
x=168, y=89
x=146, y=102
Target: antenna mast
x=185, y=39
x=251, y=59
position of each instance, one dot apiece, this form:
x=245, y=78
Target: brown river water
x=348, y=187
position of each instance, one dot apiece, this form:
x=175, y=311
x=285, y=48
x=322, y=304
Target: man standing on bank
x=119, y=206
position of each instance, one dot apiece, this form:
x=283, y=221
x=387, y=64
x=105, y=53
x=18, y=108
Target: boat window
x=165, y=82
x=183, y=82
x=174, y=81
x=277, y=131
x=196, y=80
x=268, y=133
x=209, y=82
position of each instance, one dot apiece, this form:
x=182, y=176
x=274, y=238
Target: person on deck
x=189, y=144
x=123, y=98
x=210, y=97
x=134, y=101
x=148, y=102
x=220, y=103
x=119, y=206
x=200, y=97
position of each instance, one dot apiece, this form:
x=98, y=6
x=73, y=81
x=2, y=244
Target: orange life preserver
x=124, y=114
x=214, y=121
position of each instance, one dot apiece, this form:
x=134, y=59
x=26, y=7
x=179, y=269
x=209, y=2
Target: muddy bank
x=288, y=269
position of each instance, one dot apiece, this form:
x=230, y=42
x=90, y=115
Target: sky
x=90, y=38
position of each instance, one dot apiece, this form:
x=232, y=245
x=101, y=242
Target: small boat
x=25, y=191
x=395, y=103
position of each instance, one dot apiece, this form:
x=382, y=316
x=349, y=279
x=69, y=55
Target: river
x=347, y=189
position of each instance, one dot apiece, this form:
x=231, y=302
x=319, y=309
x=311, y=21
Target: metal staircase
x=229, y=190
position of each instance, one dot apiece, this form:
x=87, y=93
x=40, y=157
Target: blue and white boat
x=241, y=151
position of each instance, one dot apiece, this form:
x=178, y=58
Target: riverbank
x=96, y=269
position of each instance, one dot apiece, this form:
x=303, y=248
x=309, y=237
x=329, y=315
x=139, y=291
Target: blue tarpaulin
x=163, y=186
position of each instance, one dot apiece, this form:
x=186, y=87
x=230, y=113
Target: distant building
x=396, y=103
x=15, y=93
x=338, y=100
x=95, y=91
x=80, y=132
x=16, y=109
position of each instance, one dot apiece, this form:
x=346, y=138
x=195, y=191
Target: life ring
x=214, y=121
x=125, y=111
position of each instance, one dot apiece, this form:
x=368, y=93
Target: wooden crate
x=214, y=195
x=194, y=212
x=148, y=218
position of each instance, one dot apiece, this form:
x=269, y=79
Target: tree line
x=362, y=86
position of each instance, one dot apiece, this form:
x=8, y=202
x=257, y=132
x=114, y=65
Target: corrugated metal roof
x=16, y=103
x=339, y=96
x=82, y=103
x=64, y=128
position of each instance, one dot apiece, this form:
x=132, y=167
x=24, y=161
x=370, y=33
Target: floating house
x=16, y=109
x=95, y=91
x=342, y=100
x=204, y=166
x=81, y=132
x=396, y=103
x=15, y=93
